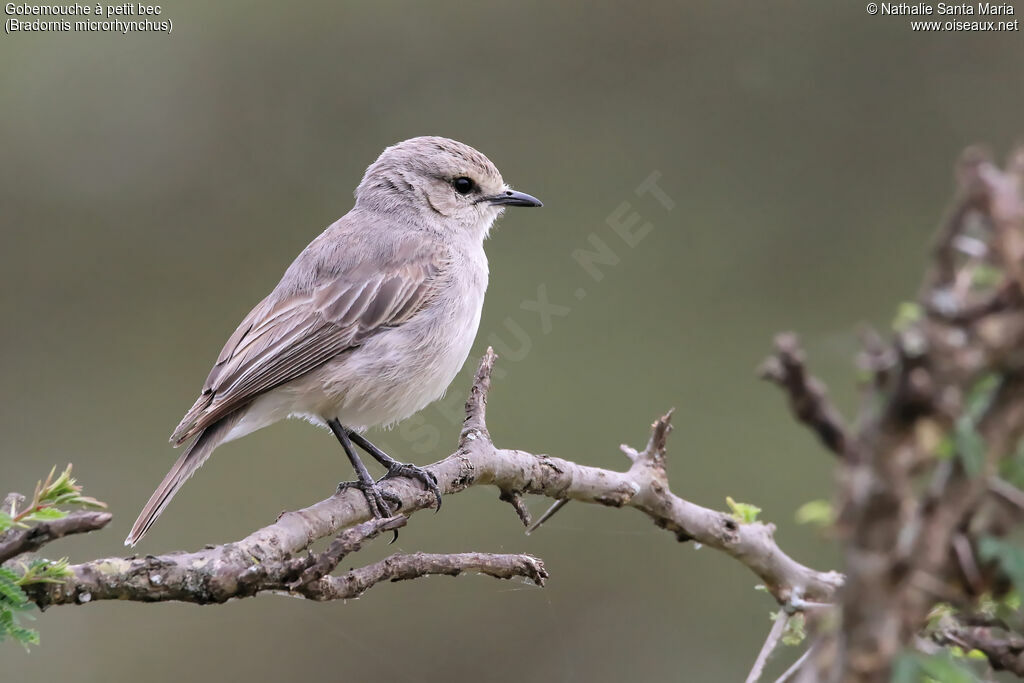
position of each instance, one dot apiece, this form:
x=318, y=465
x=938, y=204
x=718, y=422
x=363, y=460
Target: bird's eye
x=463, y=185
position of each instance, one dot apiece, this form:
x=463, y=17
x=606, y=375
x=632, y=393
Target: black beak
x=512, y=198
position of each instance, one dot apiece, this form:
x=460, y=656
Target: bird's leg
x=398, y=469
x=376, y=497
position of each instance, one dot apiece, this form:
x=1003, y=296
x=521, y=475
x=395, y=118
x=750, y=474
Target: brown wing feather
x=281, y=340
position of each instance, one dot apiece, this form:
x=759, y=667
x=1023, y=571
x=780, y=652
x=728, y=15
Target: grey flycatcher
x=370, y=323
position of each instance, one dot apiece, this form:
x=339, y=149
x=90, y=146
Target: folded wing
x=283, y=338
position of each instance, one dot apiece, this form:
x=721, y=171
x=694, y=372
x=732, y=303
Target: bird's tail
x=190, y=461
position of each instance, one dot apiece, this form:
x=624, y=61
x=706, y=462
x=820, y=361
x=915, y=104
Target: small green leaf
x=795, y=632
x=940, y=611
x=816, y=512
x=744, y=513
x=970, y=446
x=6, y=521
x=12, y=601
x=1009, y=557
x=1012, y=468
x=986, y=276
x=907, y=313
x=63, y=490
x=46, y=514
x=946, y=449
x=980, y=396
x=915, y=667
x=45, y=571
x=10, y=591
x=25, y=636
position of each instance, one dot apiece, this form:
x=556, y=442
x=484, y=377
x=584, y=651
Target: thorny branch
x=271, y=559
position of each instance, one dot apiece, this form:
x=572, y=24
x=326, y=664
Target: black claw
x=398, y=469
x=392, y=498
x=376, y=498
x=420, y=474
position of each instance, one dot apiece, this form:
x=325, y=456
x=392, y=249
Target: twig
x=548, y=514
x=770, y=643
x=1006, y=491
x=35, y=537
x=347, y=542
x=795, y=667
x=808, y=397
x=514, y=499
x=404, y=567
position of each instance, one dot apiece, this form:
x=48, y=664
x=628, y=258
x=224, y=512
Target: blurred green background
x=153, y=188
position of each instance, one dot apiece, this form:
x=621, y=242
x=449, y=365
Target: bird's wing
x=283, y=338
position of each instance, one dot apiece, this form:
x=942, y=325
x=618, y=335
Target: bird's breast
x=401, y=370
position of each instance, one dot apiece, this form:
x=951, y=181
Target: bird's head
x=439, y=182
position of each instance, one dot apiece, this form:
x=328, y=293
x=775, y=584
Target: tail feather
x=190, y=461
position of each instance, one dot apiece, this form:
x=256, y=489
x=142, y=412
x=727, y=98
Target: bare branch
x=808, y=397
x=796, y=666
x=404, y=567
x=770, y=643
x=348, y=541
x=516, y=501
x=548, y=514
x=266, y=557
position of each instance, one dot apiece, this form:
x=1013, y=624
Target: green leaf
x=1009, y=557
x=914, y=667
x=6, y=521
x=795, y=632
x=980, y=396
x=64, y=490
x=25, y=636
x=907, y=313
x=986, y=276
x=744, y=513
x=970, y=446
x=940, y=611
x=10, y=591
x=45, y=571
x=816, y=512
x=946, y=449
x=46, y=514
x=1012, y=468
x=12, y=601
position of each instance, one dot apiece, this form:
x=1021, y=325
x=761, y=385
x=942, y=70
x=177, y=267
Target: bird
x=369, y=324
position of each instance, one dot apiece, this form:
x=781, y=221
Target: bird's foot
x=429, y=481
x=378, y=499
